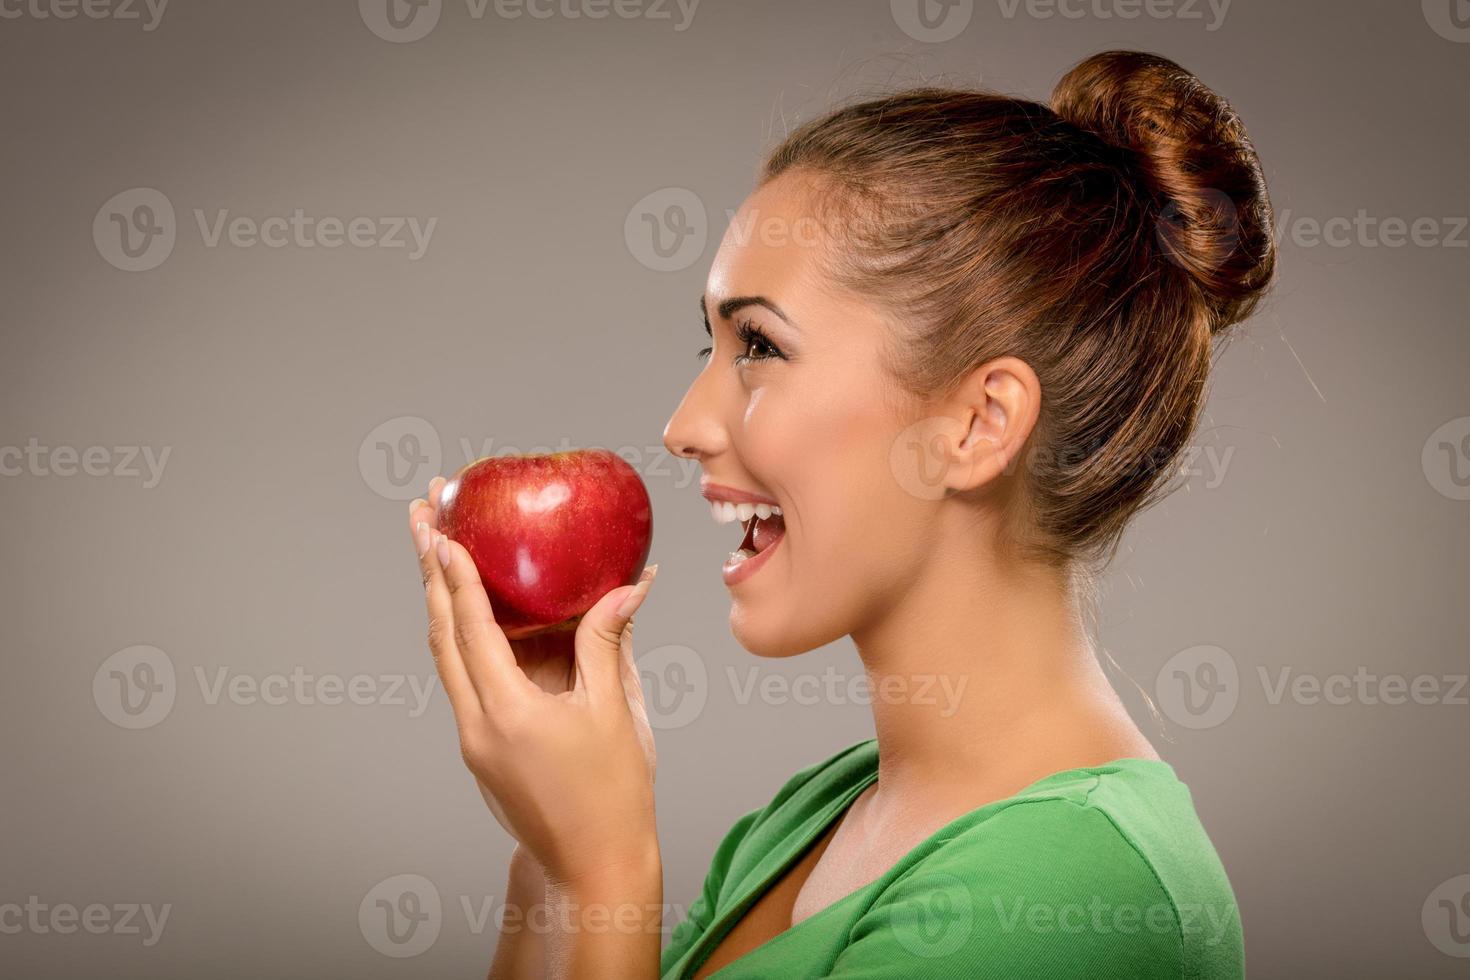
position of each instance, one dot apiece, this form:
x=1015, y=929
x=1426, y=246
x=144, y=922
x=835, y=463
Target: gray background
x=1325, y=530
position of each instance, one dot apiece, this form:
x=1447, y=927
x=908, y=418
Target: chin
x=771, y=637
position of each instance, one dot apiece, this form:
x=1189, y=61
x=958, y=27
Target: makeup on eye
x=756, y=344
x=751, y=337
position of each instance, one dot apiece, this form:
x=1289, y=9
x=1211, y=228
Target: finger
x=436, y=493
x=628, y=674
x=600, y=638
x=447, y=659
x=419, y=512
x=633, y=691
x=487, y=654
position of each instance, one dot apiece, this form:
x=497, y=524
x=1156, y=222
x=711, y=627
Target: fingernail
x=443, y=551
x=421, y=537
x=416, y=503
x=635, y=598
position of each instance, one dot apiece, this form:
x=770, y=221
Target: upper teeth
x=724, y=512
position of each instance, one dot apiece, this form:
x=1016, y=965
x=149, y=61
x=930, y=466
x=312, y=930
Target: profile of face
x=794, y=402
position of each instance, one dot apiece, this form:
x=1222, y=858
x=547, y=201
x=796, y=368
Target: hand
x=552, y=726
x=548, y=658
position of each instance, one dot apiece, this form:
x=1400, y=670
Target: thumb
x=600, y=634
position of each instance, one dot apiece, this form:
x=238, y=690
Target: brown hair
x=1107, y=240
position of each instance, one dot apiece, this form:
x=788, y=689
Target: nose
x=695, y=431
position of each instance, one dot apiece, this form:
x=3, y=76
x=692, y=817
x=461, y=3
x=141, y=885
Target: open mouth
x=763, y=527
x=760, y=534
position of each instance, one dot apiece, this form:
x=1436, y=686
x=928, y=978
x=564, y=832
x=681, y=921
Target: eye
x=756, y=345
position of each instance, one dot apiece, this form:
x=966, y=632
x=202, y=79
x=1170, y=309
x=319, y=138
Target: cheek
x=825, y=454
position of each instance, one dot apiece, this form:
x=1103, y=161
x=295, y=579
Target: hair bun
x=1211, y=211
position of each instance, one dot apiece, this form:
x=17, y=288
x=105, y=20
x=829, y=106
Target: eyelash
x=747, y=332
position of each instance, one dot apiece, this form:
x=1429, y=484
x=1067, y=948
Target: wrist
x=639, y=866
x=607, y=912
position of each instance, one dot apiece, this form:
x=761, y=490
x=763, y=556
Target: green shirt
x=1096, y=872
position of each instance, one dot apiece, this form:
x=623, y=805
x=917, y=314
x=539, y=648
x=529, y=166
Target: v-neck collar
x=769, y=869
x=767, y=872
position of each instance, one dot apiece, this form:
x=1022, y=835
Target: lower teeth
x=736, y=557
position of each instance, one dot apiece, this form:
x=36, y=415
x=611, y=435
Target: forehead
x=773, y=246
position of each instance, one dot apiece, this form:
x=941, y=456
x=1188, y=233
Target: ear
x=998, y=404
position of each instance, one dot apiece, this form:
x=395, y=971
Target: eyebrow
x=727, y=308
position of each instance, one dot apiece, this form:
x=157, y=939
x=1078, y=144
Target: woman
x=958, y=341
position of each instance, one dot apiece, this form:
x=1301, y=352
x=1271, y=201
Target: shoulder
x=1095, y=873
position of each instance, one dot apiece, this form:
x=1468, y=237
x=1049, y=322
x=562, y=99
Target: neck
x=982, y=673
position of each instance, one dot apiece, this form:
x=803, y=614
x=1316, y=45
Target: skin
x=922, y=582
x=991, y=680
x=558, y=741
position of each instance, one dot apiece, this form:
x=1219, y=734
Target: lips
x=763, y=527
x=763, y=537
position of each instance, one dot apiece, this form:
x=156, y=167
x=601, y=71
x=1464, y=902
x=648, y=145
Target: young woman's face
x=807, y=416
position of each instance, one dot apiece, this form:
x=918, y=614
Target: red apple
x=550, y=533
